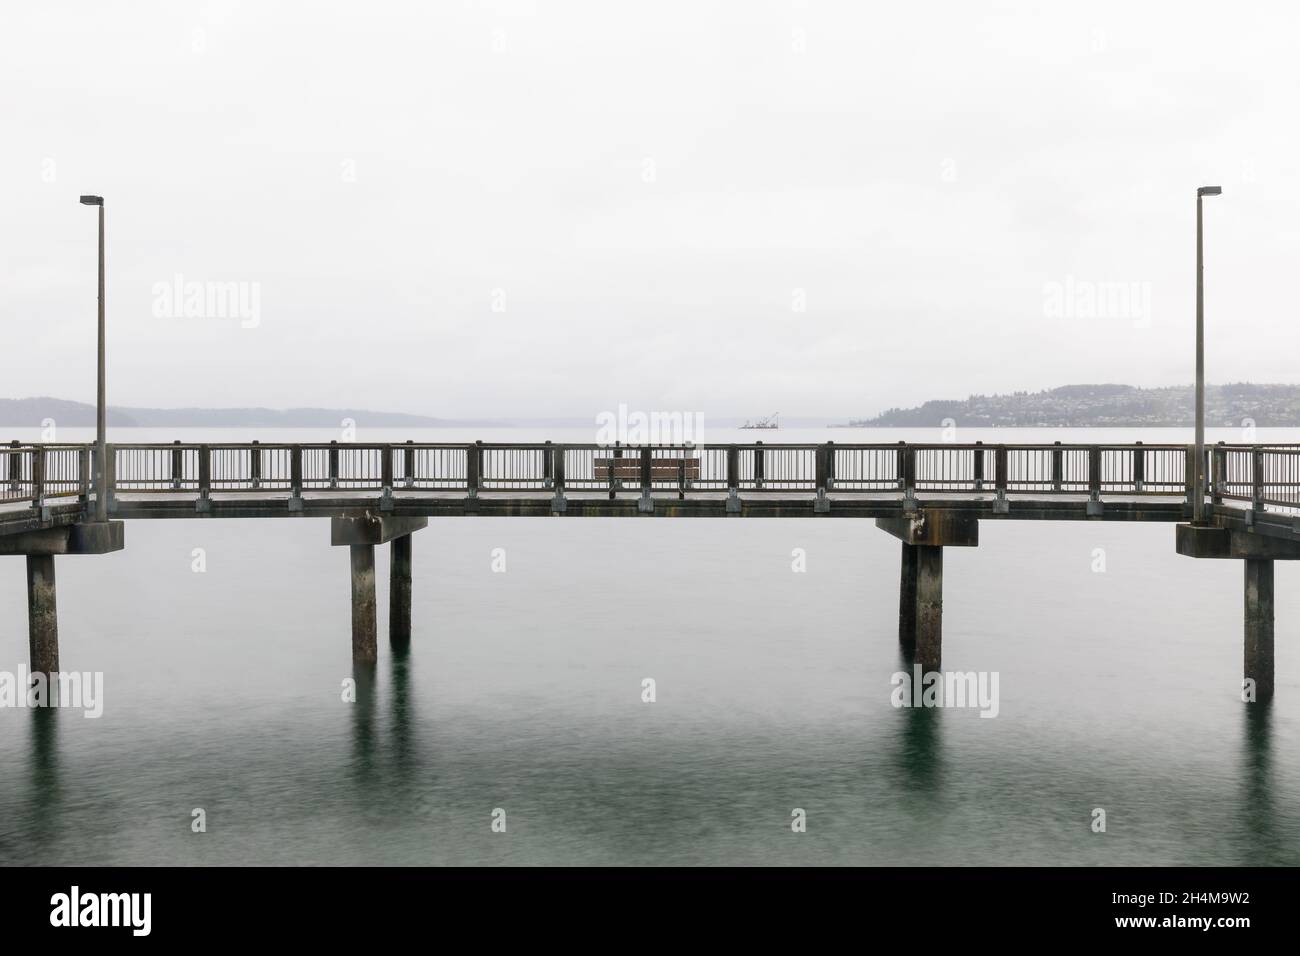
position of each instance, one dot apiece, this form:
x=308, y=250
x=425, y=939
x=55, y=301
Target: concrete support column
x=907, y=599
x=1259, y=626
x=364, y=624
x=399, y=593
x=42, y=614
x=929, y=606
x=920, y=604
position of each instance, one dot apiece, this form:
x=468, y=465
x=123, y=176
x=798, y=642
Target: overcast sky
x=519, y=209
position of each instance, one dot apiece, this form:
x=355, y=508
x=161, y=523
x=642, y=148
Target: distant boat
x=769, y=422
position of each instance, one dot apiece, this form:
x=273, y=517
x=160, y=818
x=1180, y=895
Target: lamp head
x=92, y=200
x=1210, y=191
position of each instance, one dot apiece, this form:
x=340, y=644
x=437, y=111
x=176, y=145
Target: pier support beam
x=42, y=614
x=399, y=593
x=1259, y=626
x=364, y=625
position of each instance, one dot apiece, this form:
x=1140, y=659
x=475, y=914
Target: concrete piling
x=1259, y=626
x=929, y=607
x=907, y=600
x=920, y=604
x=42, y=614
x=399, y=593
x=364, y=623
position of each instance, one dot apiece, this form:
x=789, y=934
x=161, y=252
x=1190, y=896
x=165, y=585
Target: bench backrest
x=661, y=469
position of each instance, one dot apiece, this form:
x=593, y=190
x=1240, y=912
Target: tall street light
x=1198, y=498
x=101, y=410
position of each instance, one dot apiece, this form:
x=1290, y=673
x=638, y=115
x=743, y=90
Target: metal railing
x=1265, y=476
x=38, y=472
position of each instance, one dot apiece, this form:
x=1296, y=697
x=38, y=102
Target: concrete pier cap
x=94, y=537
x=935, y=527
x=1209, y=541
x=372, y=529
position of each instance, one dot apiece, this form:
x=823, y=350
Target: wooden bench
x=661, y=469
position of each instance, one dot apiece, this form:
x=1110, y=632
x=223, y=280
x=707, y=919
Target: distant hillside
x=30, y=412
x=1107, y=406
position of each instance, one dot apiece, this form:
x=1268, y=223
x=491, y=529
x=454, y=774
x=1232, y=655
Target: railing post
x=255, y=464
x=83, y=473
x=97, y=467
x=979, y=466
x=555, y=466
x=759, y=464
x=15, y=467
x=295, y=471
x=110, y=479
x=733, y=480
x=1057, y=462
x=408, y=462
x=1257, y=478
x=548, y=467
x=1189, y=476
x=205, y=472
x=474, y=467
x=646, y=505
x=1139, y=467
x=38, y=476
x=178, y=463
x=1218, y=470
x=681, y=477
x=334, y=463
x=909, y=470
x=385, y=477
x=1206, y=463
x=824, y=468
x=557, y=469
x=1000, y=471
x=616, y=454
x=1094, y=472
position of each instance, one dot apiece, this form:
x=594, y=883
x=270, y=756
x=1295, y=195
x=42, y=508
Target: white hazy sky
x=647, y=190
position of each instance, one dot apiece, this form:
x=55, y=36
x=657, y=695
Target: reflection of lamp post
x=1198, y=477
x=101, y=449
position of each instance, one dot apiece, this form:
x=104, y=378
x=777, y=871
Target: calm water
x=522, y=692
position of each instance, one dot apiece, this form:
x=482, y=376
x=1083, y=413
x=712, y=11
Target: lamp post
x=1198, y=499
x=101, y=409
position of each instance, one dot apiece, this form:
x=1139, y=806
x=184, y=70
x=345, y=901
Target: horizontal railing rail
x=1264, y=476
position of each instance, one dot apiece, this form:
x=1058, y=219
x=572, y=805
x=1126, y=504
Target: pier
x=928, y=496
